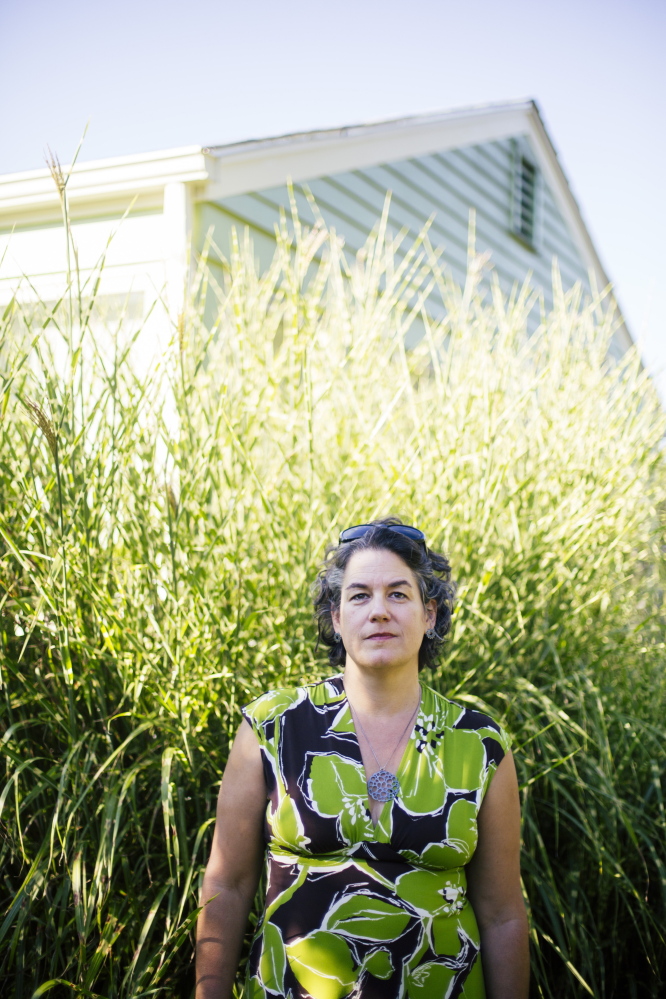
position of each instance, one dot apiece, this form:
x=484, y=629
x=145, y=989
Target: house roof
x=216, y=172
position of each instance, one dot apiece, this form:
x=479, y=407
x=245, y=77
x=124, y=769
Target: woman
x=392, y=822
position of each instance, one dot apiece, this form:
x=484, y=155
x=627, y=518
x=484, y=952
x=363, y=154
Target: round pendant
x=383, y=786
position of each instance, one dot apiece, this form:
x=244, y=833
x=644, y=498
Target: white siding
x=134, y=277
x=134, y=250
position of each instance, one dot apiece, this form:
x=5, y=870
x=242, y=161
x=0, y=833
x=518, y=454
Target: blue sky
x=151, y=75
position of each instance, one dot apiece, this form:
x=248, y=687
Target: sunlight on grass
x=158, y=535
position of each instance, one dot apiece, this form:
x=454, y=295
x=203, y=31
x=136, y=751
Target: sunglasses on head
x=353, y=533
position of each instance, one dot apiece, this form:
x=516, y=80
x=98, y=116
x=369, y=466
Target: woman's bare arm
x=494, y=889
x=233, y=871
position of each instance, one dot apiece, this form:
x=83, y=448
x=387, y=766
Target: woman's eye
x=399, y=594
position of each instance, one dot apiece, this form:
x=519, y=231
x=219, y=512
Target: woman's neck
x=381, y=691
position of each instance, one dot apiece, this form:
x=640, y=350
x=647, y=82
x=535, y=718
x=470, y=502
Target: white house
x=496, y=159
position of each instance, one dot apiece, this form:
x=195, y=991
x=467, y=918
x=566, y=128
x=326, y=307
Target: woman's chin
x=381, y=659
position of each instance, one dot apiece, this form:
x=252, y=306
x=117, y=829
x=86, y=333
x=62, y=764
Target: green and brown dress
x=354, y=909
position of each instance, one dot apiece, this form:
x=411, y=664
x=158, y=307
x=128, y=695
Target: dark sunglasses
x=413, y=533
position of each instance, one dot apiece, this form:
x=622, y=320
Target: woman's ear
x=335, y=618
x=431, y=613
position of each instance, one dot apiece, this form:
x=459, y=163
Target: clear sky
x=150, y=75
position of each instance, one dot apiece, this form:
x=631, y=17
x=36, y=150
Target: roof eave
x=301, y=156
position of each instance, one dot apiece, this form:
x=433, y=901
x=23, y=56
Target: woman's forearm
x=506, y=960
x=220, y=931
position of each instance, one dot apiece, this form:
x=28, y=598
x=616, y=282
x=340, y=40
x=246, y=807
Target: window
x=525, y=197
x=526, y=200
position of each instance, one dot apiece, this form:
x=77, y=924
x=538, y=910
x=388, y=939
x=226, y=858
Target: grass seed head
x=54, y=166
x=45, y=424
x=172, y=500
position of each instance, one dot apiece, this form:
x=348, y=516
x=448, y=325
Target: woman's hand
x=233, y=871
x=494, y=889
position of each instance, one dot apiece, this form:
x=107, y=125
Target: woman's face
x=381, y=618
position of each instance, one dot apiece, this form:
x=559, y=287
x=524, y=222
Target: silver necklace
x=383, y=785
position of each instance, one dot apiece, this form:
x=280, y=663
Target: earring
x=337, y=637
x=431, y=633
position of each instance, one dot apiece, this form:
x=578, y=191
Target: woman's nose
x=379, y=608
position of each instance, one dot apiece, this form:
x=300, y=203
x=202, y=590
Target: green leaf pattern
x=354, y=909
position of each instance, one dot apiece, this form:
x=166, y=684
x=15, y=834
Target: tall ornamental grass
x=159, y=534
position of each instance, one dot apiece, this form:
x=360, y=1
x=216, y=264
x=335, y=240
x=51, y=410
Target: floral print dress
x=353, y=909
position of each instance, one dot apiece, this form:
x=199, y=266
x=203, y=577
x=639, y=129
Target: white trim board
x=102, y=180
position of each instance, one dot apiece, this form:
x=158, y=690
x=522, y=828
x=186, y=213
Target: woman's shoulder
x=460, y=717
x=274, y=703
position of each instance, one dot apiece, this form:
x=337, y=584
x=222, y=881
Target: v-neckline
x=399, y=768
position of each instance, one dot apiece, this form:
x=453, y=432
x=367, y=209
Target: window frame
x=522, y=155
